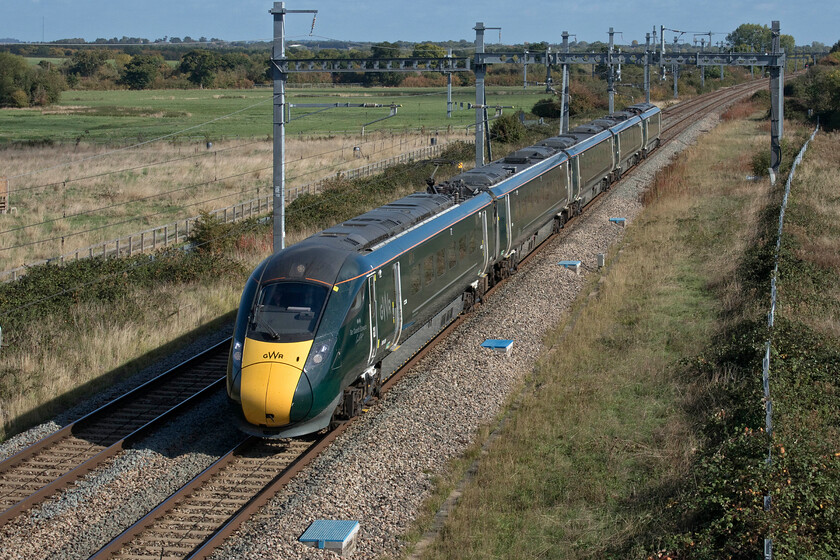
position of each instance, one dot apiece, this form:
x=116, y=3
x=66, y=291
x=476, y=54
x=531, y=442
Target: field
x=62, y=208
x=87, y=171
x=129, y=116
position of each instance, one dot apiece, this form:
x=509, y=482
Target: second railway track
x=60, y=459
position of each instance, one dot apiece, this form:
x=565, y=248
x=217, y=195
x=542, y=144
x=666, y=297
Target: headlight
x=319, y=353
x=234, y=373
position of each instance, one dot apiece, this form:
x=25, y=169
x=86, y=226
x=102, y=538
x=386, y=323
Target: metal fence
x=174, y=233
x=771, y=315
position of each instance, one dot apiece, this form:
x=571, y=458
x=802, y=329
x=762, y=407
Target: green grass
x=34, y=61
x=125, y=116
x=613, y=455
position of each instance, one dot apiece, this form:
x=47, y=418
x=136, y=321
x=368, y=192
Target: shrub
x=210, y=234
x=19, y=98
x=507, y=129
x=547, y=108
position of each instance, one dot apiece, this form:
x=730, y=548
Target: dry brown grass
x=739, y=111
x=60, y=208
x=592, y=458
x=98, y=342
x=814, y=225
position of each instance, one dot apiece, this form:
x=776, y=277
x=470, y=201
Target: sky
x=412, y=20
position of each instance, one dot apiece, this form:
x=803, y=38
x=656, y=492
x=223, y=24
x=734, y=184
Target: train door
x=372, y=318
x=503, y=226
x=616, y=142
x=485, y=241
x=398, y=307
x=386, y=304
x=574, y=185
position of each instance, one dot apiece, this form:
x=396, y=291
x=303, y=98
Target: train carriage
x=322, y=323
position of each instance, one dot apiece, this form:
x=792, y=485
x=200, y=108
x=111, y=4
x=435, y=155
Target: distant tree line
x=138, y=63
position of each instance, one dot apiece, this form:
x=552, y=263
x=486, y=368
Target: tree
x=757, y=38
x=383, y=50
x=21, y=86
x=14, y=81
x=547, y=108
x=787, y=42
x=87, y=62
x=540, y=47
x=750, y=37
x=835, y=48
x=507, y=129
x=428, y=50
x=47, y=85
x=141, y=70
x=822, y=88
x=200, y=66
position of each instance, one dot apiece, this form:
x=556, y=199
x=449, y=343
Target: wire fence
x=173, y=233
x=771, y=315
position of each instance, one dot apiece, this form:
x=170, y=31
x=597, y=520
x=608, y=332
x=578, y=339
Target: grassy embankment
x=639, y=434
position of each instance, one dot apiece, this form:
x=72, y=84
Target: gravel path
x=381, y=469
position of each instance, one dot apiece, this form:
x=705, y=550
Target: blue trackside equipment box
x=499, y=344
x=574, y=265
x=337, y=536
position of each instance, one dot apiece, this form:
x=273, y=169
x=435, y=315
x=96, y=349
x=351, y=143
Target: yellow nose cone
x=270, y=374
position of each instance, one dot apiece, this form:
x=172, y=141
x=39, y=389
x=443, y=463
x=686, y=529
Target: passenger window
x=415, y=279
x=462, y=247
x=428, y=270
x=472, y=242
x=452, y=258
x=441, y=262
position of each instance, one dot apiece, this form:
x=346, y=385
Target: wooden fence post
x=4, y=195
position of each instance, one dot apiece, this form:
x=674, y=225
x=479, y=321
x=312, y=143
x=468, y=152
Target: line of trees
x=177, y=63
x=818, y=91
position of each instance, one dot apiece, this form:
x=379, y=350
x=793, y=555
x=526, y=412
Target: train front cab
x=283, y=377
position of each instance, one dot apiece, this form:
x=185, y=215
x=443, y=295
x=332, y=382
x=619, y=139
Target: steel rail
x=43, y=467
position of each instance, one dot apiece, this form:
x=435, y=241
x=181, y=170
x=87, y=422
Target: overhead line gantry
x=282, y=66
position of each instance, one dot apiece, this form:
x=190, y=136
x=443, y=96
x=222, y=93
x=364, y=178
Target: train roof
x=363, y=232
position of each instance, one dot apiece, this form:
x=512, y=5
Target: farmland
x=120, y=117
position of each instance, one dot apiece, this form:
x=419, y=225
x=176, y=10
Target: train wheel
x=469, y=301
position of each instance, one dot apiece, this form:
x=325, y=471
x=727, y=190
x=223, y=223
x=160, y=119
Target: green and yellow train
x=324, y=322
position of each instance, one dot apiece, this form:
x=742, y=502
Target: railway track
x=58, y=460
x=197, y=518
x=211, y=506
x=676, y=118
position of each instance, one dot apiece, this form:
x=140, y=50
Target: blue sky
x=429, y=20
